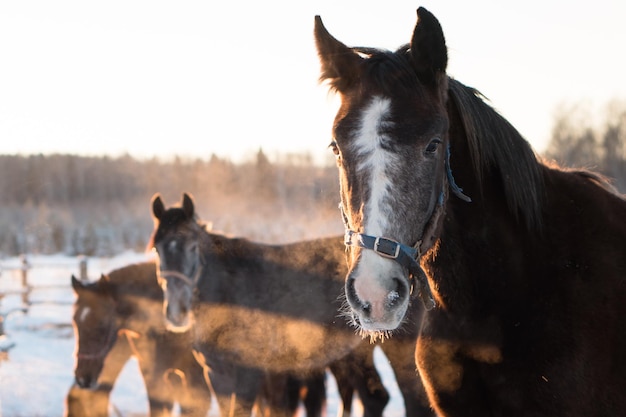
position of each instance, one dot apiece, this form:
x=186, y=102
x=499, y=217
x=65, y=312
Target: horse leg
x=400, y=352
x=293, y=392
x=341, y=372
x=83, y=402
x=195, y=397
x=357, y=371
x=280, y=395
x=183, y=375
x=315, y=396
x=235, y=389
x=160, y=400
x=158, y=388
x=194, y=401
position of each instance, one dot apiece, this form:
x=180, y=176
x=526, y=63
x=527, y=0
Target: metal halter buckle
x=347, y=237
x=386, y=248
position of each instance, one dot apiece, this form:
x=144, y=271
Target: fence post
x=24, y=268
x=82, y=265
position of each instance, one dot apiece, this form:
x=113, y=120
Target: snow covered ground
x=37, y=371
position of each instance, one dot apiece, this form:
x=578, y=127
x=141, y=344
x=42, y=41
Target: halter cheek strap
x=103, y=350
x=405, y=255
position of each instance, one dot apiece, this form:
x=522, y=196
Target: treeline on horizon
x=581, y=139
x=100, y=206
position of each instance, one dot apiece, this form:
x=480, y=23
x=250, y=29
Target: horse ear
x=103, y=285
x=89, y=287
x=428, y=48
x=339, y=63
x=77, y=284
x=188, y=205
x=158, y=208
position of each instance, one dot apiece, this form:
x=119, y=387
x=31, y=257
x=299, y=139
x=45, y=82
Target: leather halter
x=179, y=275
x=189, y=281
x=103, y=350
x=407, y=256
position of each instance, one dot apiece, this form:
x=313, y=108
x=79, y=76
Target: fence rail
x=17, y=279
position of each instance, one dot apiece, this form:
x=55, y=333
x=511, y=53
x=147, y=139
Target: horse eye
x=333, y=146
x=432, y=146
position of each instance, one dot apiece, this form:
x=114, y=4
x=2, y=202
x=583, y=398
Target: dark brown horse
x=525, y=266
x=119, y=316
x=258, y=309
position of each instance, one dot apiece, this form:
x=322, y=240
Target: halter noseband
x=407, y=256
x=103, y=351
x=179, y=275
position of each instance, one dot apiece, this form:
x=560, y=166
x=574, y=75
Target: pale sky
x=194, y=78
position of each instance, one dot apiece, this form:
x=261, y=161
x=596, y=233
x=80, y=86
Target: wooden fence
x=18, y=281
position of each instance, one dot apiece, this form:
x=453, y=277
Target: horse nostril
x=363, y=307
x=83, y=381
x=398, y=293
x=366, y=308
x=353, y=299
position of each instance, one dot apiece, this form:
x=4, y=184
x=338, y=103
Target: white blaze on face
x=375, y=165
x=84, y=312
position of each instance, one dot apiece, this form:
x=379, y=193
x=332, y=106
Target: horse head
x=390, y=139
x=176, y=241
x=95, y=325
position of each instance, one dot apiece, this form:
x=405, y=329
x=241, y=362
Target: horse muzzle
x=377, y=304
x=178, y=318
x=88, y=379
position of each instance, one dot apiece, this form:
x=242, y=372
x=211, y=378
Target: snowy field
x=37, y=371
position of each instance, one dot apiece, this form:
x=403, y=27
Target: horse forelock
x=171, y=221
x=391, y=73
x=494, y=143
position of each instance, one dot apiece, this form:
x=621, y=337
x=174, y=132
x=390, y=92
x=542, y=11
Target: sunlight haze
x=155, y=78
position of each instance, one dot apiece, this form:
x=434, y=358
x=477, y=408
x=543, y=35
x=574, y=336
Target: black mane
x=496, y=145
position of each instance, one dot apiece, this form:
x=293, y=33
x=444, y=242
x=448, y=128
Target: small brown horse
x=524, y=269
x=128, y=301
x=85, y=402
x=257, y=309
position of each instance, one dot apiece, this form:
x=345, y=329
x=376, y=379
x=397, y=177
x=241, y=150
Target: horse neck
x=475, y=236
x=213, y=246
x=146, y=302
x=216, y=253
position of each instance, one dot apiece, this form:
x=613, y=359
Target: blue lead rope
x=456, y=190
